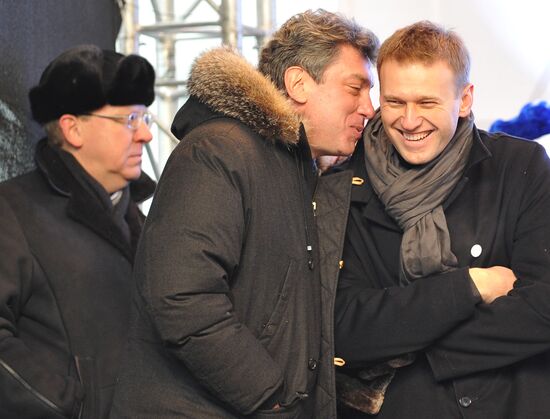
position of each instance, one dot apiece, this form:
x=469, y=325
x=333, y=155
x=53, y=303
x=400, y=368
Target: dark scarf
x=413, y=195
x=116, y=212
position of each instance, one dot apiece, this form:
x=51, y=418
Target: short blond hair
x=427, y=42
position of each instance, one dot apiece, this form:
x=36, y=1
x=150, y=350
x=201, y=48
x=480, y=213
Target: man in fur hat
x=68, y=232
x=230, y=316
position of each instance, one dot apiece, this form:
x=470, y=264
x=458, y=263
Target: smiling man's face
x=420, y=106
x=337, y=108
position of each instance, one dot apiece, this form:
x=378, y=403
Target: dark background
x=32, y=33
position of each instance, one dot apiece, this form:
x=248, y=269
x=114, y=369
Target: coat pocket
x=483, y=386
x=86, y=368
x=19, y=399
x=277, y=316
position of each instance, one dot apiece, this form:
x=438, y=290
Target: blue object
x=532, y=122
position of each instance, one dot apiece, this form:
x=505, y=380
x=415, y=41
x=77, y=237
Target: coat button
x=312, y=364
x=465, y=401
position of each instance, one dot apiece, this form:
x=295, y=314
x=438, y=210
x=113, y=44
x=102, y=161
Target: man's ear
x=296, y=79
x=71, y=129
x=466, y=101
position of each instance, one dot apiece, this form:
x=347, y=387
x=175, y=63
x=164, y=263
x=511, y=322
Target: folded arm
x=517, y=326
x=375, y=323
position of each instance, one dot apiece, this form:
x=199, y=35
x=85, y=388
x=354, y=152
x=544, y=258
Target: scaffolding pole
x=168, y=30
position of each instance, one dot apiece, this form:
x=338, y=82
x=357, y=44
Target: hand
x=492, y=282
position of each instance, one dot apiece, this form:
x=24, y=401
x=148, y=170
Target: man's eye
x=133, y=116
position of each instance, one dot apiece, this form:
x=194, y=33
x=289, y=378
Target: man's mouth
x=415, y=137
x=359, y=129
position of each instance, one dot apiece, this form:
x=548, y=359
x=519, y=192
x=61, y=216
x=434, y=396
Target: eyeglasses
x=132, y=120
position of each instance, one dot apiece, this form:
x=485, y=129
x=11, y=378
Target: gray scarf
x=413, y=196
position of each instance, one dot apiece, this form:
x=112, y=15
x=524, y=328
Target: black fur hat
x=85, y=78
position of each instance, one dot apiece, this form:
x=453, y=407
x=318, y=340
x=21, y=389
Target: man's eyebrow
x=416, y=99
x=366, y=80
x=390, y=97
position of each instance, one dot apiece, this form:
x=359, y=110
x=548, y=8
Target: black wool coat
x=227, y=319
x=65, y=286
x=473, y=360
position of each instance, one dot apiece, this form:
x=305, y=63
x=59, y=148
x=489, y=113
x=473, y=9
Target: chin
x=129, y=177
x=347, y=152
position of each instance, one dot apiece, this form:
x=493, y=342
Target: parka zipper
x=302, y=179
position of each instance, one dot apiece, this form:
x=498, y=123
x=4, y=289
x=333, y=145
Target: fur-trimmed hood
x=225, y=82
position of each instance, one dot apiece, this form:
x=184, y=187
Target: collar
x=307, y=164
x=59, y=177
x=229, y=86
x=479, y=151
x=85, y=203
x=363, y=195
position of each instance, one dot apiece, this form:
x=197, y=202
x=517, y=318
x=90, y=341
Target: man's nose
x=411, y=118
x=143, y=133
x=366, y=109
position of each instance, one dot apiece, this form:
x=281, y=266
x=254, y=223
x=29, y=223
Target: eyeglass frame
x=145, y=117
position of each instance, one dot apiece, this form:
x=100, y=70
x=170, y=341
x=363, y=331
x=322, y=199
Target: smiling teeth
x=415, y=137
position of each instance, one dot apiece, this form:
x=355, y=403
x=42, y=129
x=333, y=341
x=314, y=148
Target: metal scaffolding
x=173, y=26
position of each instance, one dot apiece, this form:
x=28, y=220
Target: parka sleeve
x=517, y=326
x=27, y=387
x=189, y=254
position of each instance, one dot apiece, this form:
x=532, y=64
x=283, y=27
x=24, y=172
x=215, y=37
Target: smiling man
x=430, y=318
x=68, y=233
x=230, y=318
x=420, y=112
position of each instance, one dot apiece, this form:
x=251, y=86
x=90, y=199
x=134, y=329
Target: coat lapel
x=362, y=193
x=84, y=205
x=85, y=210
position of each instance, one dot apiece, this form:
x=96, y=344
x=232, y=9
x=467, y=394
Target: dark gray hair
x=312, y=40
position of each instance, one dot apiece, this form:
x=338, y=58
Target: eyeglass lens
x=135, y=118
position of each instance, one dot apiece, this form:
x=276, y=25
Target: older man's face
x=111, y=151
x=337, y=108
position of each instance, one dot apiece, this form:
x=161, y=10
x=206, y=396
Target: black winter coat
x=479, y=361
x=65, y=286
x=228, y=303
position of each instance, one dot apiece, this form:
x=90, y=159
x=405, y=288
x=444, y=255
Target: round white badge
x=475, y=251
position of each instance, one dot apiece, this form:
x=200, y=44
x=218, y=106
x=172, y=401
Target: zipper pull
x=314, y=205
x=310, y=263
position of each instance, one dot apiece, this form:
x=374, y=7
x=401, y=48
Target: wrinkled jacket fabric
x=227, y=318
x=474, y=360
x=65, y=288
